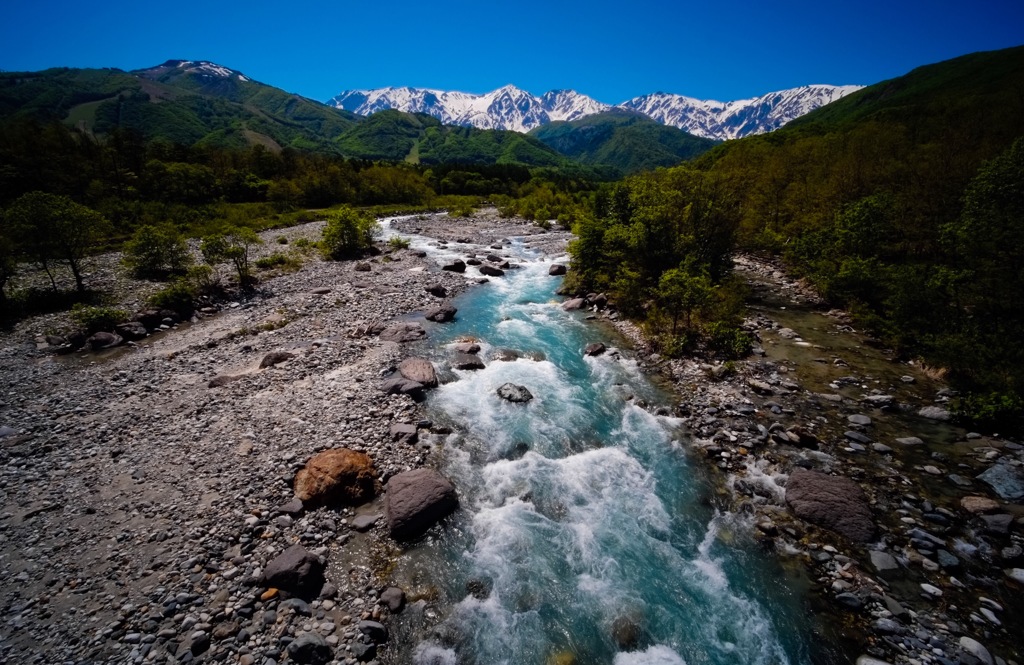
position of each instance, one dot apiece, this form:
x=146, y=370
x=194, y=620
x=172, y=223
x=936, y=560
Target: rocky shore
x=150, y=510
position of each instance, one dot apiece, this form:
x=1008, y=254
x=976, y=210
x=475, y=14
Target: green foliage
x=53, y=229
x=728, y=341
x=178, y=296
x=235, y=246
x=397, y=242
x=96, y=319
x=283, y=261
x=348, y=233
x=999, y=412
x=156, y=251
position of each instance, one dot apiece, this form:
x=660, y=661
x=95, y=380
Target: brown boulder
x=832, y=502
x=441, y=314
x=979, y=504
x=274, y=358
x=404, y=331
x=338, y=475
x=419, y=370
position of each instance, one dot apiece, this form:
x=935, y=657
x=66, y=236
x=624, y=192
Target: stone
x=626, y=632
x=458, y=265
x=975, y=648
x=556, y=269
x=416, y=500
x=403, y=331
x=1005, y=480
x=362, y=267
x=104, y=340
x=393, y=598
x=884, y=562
x=514, y=393
x=910, y=441
x=132, y=331
x=321, y=290
x=881, y=448
x=309, y=649
x=338, y=475
x=1015, y=574
x=467, y=361
x=223, y=380
x=419, y=370
x=376, y=631
x=997, y=524
x=491, y=271
x=868, y=660
x=297, y=571
x=467, y=347
x=405, y=433
x=849, y=600
x=575, y=303
x=931, y=590
x=364, y=522
x=441, y=314
x=879, y=400
x=364, y=653
x=275, y=358
x=934, y=413
x=859, y=437
x=595, y=349
x=832, y=502
x=6, y=431
x=505, y=355
x=947, y=560
x=401, y=386
x=437, y=290
x=979, y=504
x=859, y=419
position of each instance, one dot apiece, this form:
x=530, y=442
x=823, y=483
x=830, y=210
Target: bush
x=348, y=233
x=281, y=240
x=727, y=340
x=155, y=251
x=97, y=319
x=1003, y=412
x=396, y=242
x=287, y=262
x=233, y=246
x=179, y=296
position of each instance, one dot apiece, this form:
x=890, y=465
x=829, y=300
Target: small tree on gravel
x=155, y=251
x=348, y=233
x=234, y=246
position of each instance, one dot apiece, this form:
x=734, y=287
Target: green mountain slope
x=394, y=135
x=622, y=140
x=179, y=101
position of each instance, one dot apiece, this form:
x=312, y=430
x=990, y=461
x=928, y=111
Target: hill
x=623, y=141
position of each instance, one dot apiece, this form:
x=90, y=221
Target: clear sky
x=611, y=51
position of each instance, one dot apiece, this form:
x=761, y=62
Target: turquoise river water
x=586, y=533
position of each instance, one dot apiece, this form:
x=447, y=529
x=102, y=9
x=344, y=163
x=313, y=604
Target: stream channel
x=586, y=532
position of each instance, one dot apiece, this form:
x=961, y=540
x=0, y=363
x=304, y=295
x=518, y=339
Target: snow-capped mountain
x=515, y=109
x=730, y=120
x=202, y=68
x=504, y=108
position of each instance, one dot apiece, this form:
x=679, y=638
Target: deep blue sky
x=611, y=51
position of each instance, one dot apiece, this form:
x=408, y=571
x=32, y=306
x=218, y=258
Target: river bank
x=141, y=504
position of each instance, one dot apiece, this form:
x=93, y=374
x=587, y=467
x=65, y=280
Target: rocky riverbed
x=144, y=505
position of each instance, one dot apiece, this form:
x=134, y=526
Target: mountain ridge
x=509, y=107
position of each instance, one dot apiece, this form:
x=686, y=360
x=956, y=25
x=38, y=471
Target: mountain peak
x=202, y=68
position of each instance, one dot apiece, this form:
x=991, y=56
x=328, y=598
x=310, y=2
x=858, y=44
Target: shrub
x=233, y=246
x=1002, y=412
x=287, y=262
x=728, y=340
x=348, y=233
x=179, y=296
x=96, y=319
x=155, y=251
x=397, y=242
x=281, y=240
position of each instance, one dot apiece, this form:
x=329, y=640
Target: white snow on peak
x=208, y=68
x=511, y=108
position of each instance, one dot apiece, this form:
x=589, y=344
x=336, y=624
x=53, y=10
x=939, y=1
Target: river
x=586, y=532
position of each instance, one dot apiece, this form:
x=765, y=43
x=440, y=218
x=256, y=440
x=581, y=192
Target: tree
x=155, y=250
x=54, y=229
x=233, y=246
x=348, y=233
x=680, y=293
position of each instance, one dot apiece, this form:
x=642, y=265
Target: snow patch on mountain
x=512, y=108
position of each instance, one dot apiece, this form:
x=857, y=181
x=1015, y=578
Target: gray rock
x=419, y=370
x=868, y=660
x=514, y=393
x=104, y=340
x=850, y=600
x=595, y=349
x=377, y=633
x=859, y=419
x=403, y=331
x=491, y=271
x=393, y=598
x=458, y=265
x=6, y=431
x=132, y=330
x=364, y=653
x=881, y=448
x=437, y=290
x=556, y=269
x=832, y=502
x=295, y=570
x=910, y=441
x=467, y=347
x=405, y=433
x=309, y=649
x=887, y=626
x=364, y=522
x=975, y=648
x=947, y=560
x=1007, y=481
x=467, y=361
x=400, y=386
x=934, y=413
x=884, y=562
x=274, y=358
x=441, y=314
x=853, y=435
x=223, y=380
x=416, y=500
x=575, y=303
x=997, y=524
x=879, y=400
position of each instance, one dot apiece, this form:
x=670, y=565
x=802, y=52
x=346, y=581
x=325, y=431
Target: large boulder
x=131, y=331
x=297, y=571
x=514, y=393
x=419, y=370
x=832, y=502
x=402, y=386
x=442, y=314
x=575, y=303
x=275, y=358
x=467, y=361
x=104, y=340
x=403, y=331
x=309, y=649
x=491, y=271
x=338, y=475
x=1005, y=480
x=458, y=265
x=556, y=269
x=595, y=349
x=437, y=290
x=416, y=500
